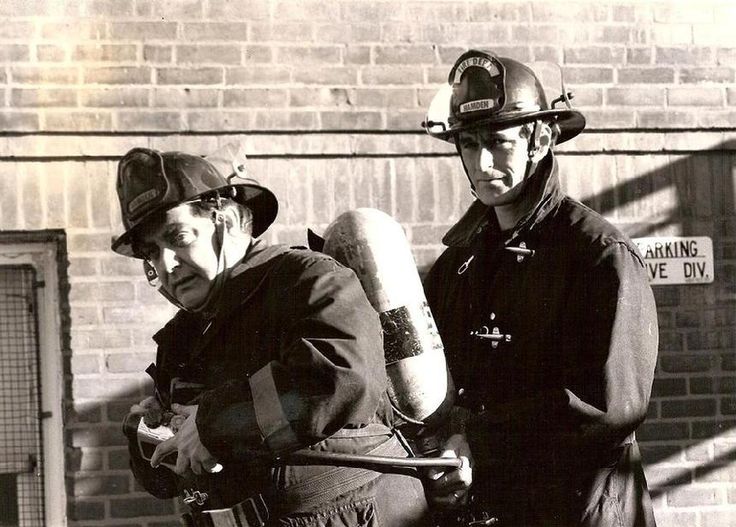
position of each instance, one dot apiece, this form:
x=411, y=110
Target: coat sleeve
x=328, y=369
x=608, y=351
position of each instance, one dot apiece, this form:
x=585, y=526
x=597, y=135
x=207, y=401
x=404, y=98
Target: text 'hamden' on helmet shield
x=499, y=92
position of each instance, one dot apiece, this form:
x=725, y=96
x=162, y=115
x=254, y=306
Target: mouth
x=182, y=282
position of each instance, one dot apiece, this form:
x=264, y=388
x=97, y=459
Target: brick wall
x=328, y=97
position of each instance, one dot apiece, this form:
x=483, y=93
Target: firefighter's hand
x=191, y=453
x=450, y=489
x=151, y=410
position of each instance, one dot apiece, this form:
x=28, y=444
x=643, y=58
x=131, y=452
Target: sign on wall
x=677, y=260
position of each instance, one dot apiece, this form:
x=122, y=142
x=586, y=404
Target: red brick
x=186, y=98
x=100, y=485
x=352, y=34
x=86, y=510
x=410, y=54
x=43, y=97
x=499, y=11
x=44, y=75
x=118, y=459
x=723, y=75
x=104, y=52
x=685, y=363
x=716, y=118
x=351, y=120
x=85, y=364
x=189, y=76
x=281, y=32
x=710, y=429
x=222, y=31
x=118, y=75
x=689, y=408
x=536, y=34
x=255, y=54
x=385, y=98
x=127, y=362
x=646, y=75
x=73, y=29
x=78, y=121
x=97, y=436
x=143, y=30
x=253, y=75
x=635, y=96
x=588, y=75
x=241, y=10
x=542, y=54
x=180, y=9
x=711, y=518
x=691, y=497
x=372, y=184
x=664, y=387
x=680, y=56
x=105, y=388
x=330, y=76
x=256, y=97
x=288, y=10
x=662, y=431
x=108, y=7
x=594, y=55
x=666, y=118
x=158, y=54
x=357, y=55
x=50, y=53
x=220, y=121
x=150, y=121
x=214, y=54
x=392, y=75
x=322, y=55
x=377, y=12
x=115, y=97
x=286, y=120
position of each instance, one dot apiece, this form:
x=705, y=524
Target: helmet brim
x=260, y=200
x=570, y=123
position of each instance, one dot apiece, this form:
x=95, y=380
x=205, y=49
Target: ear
x=543, y=142
x=232, y=220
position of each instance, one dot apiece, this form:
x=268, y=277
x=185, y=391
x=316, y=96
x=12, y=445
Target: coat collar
x=546, y=193
x=244, y=280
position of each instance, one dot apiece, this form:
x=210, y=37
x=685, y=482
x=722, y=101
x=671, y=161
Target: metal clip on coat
x=494, y=336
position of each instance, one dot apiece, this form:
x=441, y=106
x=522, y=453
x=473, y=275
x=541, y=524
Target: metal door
x=21, y=474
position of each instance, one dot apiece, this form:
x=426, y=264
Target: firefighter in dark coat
x=547, y=317
x=274, y=349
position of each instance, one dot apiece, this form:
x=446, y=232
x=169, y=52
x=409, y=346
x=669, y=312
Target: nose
x=168, y=260
x=485, y=161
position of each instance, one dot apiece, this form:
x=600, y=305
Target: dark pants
x=614, y=494
x=391, y=500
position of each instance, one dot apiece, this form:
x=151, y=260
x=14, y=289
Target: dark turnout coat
x=292, y=359
x=551, y=337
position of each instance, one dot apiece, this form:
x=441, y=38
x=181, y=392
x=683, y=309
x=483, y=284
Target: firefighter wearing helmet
x=273, y=349
x=546, y=313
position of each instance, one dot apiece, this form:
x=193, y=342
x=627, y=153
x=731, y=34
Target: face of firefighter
x=182, y=246
x=496, y=161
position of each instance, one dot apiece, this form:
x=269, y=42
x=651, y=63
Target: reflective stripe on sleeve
x=272, y=422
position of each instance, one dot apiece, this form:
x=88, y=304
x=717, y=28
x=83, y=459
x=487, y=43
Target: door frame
x=42, y=256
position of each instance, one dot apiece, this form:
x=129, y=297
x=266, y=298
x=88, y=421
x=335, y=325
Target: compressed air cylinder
x=373, y=245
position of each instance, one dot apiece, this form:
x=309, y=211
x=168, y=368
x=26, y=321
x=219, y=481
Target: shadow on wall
x=687, y=414
x=692, y=419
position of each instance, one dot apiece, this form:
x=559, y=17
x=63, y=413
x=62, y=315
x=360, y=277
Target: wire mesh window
x=21, y=477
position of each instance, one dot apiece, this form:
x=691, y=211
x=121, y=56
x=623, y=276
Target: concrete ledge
x=348, y=144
